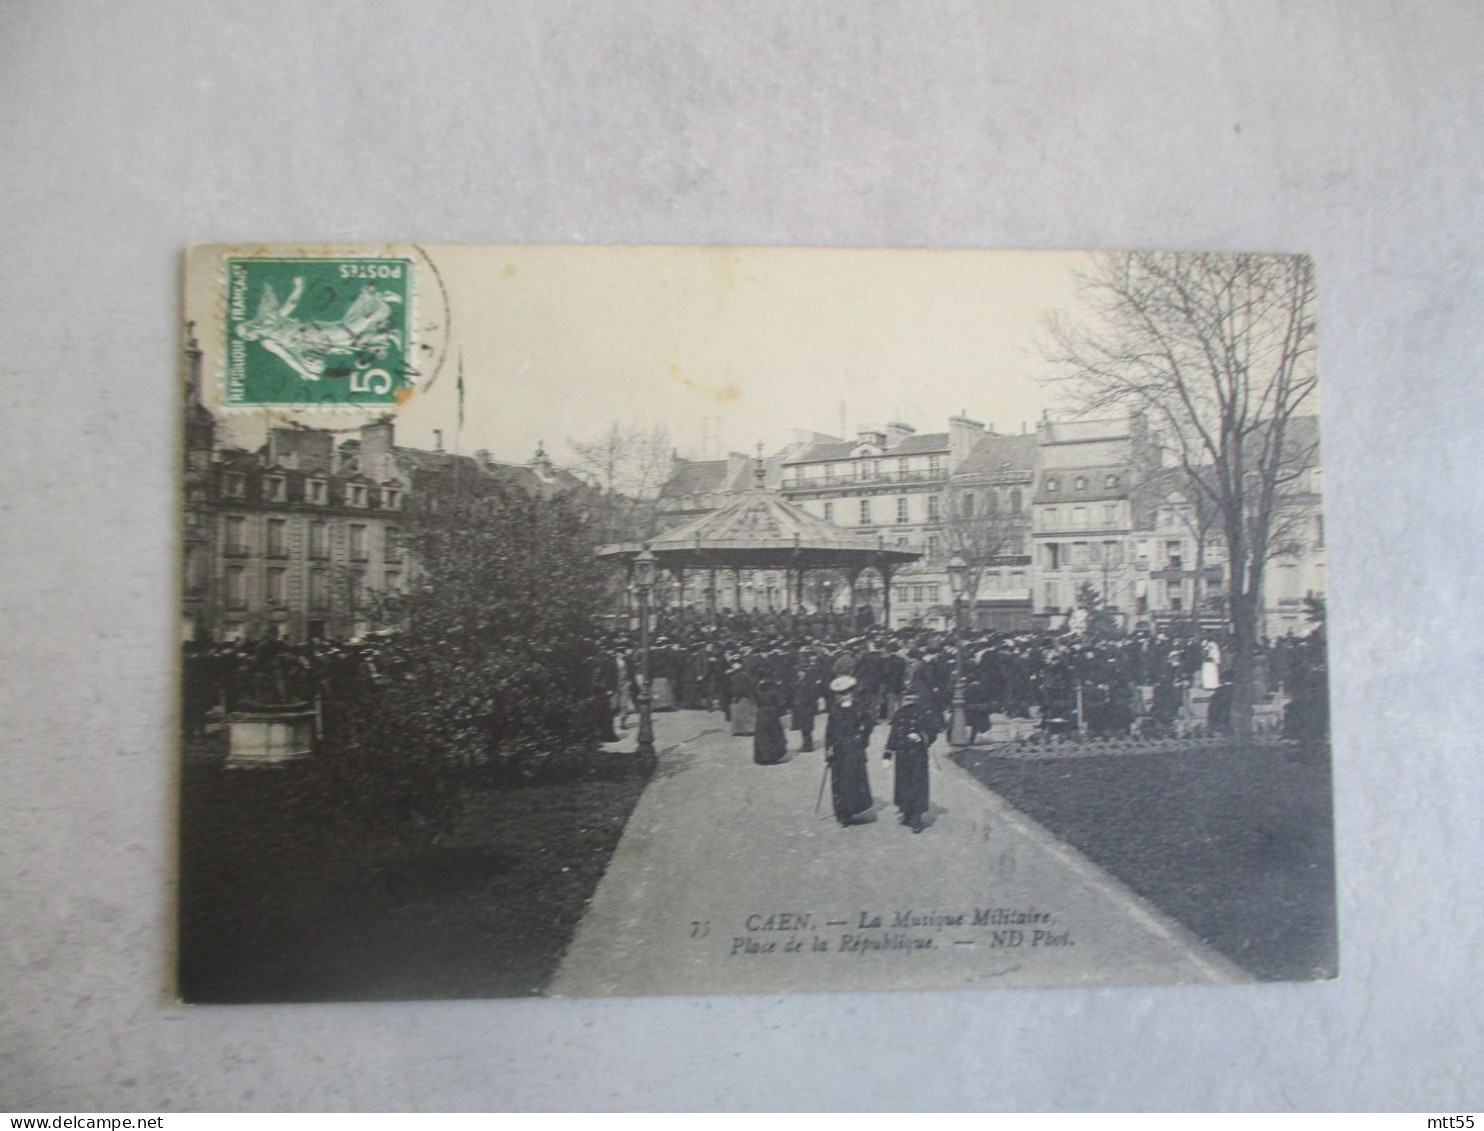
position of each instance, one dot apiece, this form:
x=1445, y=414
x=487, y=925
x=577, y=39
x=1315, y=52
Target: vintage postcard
x=581, y=621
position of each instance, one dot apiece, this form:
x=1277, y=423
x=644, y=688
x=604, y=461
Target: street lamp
x=958, y=728
x=644, y=583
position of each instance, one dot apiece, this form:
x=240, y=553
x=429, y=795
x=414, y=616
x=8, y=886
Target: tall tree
x=492, y=655
x=1219, y=352
x=983, y=533
x=629, y=464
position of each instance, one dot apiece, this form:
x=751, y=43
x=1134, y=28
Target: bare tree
x=984, y=534
x=1219, y=352
x=629, y=464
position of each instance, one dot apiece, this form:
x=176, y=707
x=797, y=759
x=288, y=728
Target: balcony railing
x=817, y=482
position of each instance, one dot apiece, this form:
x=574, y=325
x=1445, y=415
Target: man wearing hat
x=808, y=685
x=846, y=737
x=912, y=732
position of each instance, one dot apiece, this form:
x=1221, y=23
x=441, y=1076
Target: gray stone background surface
x=1351, y=130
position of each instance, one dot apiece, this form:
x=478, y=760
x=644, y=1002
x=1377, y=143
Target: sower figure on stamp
x=846, y=736
x=912, y=732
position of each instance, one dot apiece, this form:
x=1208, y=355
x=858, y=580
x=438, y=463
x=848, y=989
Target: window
x=1173, y=552
x=1080, y=483
x=829, y=511
x=278, y=542
x=1017, y=579
x=1052, y=596
x=391, y=498
x=917, y=594
x=933, y=591
x=319, y=540
x=902, y=509
x=865, y=516
x=235, y=530
x=1175, y=595
x=277, y=588
x=277, y=489
x=236, y=587
x=1053, y=555
x=1111, y=482
x=358, y=541
x=357, y=494
x=195, y=570
x=319, y=589
x=935, y=465
x=933, y=512
x=357, y=588
x=1113, y=553
x=1017, y=502
x=991, y=501
x=391, y=550
x=1053, y=518
x=232, y=485
x=934, y=546
x=1110, y=514
x=967, y=505
x=1079, y=553
x=1052, y=486
x=319, y=493
x=1079, y=518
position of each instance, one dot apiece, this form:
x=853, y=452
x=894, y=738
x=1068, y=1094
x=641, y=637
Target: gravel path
x=727, y=881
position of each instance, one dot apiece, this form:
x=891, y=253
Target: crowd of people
x=766, y=678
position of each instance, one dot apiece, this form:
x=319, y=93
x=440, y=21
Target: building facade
x=1081, y=513
x=1085, y=502
x=307, y=537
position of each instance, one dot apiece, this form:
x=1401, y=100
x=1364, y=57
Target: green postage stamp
x=312, y=332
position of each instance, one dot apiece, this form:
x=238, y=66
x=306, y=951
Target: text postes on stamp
x=318, y=332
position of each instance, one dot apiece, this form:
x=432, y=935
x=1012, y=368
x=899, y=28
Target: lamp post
x=644, y=583
x=958, y=728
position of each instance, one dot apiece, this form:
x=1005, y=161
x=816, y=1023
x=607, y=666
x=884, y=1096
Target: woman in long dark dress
x=846, y=736
x=769, y=746
x=976, y=709
x=912, y=732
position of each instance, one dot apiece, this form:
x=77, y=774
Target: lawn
x=1234, y=842
x=279, y=902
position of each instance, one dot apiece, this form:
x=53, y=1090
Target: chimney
x=896, y=432
x=871, y=436
x=437, y=439
x=376, y=450
x=739, y=472
x=303, y=449
x=963, y=434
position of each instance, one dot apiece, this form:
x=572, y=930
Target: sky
x=560, y=342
